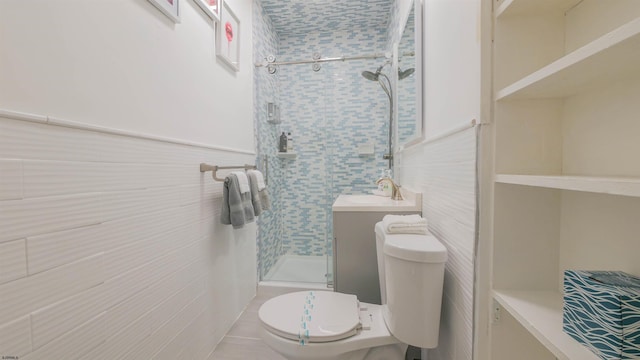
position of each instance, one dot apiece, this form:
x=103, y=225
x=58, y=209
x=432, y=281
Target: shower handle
x=265, y=168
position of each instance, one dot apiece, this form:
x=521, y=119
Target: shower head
x=385, y=84
x=374, y=76
x=405, y=74
x=371, y=76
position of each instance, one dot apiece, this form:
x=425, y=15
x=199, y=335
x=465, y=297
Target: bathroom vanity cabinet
x=355, y=264
x=566, y=178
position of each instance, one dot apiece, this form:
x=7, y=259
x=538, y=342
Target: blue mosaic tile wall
x=393, y=31
x=329, y=113
x=266, y=89
x=407, y=87
x=298, y=17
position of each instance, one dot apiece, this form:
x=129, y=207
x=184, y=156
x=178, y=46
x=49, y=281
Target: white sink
x=412, y=202
x=367, y=199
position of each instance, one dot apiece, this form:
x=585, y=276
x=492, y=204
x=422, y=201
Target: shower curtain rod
x=341, y=58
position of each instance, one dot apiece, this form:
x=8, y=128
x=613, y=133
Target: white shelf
x=602, y=185
x=532, y=7
x=287, y=155
x=540, y=312
x=584, y=56
x=605, y=59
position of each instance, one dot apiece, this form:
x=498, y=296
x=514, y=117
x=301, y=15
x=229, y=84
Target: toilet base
x=390, y=350
x=387, y=352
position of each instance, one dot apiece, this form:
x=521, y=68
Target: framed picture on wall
x=228, y=44
x=168, y=7
x=211, y=8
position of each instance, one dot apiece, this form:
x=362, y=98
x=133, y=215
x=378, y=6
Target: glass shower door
x=330, y=113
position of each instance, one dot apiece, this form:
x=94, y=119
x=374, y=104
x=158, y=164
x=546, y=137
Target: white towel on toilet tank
x=405, y=224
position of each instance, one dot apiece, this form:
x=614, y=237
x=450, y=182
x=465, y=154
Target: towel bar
x=214, y=168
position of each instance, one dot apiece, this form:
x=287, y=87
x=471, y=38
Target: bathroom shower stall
x=339, y=122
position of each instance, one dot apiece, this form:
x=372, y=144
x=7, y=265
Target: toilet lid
x=312, y=316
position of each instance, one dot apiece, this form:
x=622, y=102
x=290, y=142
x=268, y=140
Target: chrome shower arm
x=387, y=89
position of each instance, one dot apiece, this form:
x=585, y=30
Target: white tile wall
x=26, y=295
x=116, y=345
x=166, y=331
x=192, y=311
x=138, y=253
x=62, y=247
x=48, y=322
x=13, y=260
x=35, y=216
x=74, y=343
x=15, y=337
x=10, y=179
x=111, y=246
x=28, y=140
x=444, y=171
x=196, y=347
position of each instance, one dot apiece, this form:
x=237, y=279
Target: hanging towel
x=263, y=196
x=243, y=181
x=264, y=199
x=405, y=224
x=237, y=209
x=255, y=197
x=259, y=179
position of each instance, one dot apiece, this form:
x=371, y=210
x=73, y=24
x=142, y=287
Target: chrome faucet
x=395, y=189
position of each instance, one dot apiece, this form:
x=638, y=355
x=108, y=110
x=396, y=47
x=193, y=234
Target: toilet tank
x=380, y=236
x=413, y=273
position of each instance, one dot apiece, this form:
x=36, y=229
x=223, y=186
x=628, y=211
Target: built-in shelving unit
x=602, y=185
x=566, y=180
x=518, y=7
x=540, y=312
x=609, y=58
x=287, y=155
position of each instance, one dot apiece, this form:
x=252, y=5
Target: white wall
x=123, y=64
x=444, y=170
x=111, y=243
x=451, y=63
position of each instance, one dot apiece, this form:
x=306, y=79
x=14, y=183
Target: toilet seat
x=312, y=316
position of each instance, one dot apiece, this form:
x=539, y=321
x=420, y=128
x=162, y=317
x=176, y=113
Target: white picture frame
x=228, y=41
x=171, y=8
x=211, y=7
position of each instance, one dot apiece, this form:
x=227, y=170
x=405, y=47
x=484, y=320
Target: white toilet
x=318, y=325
